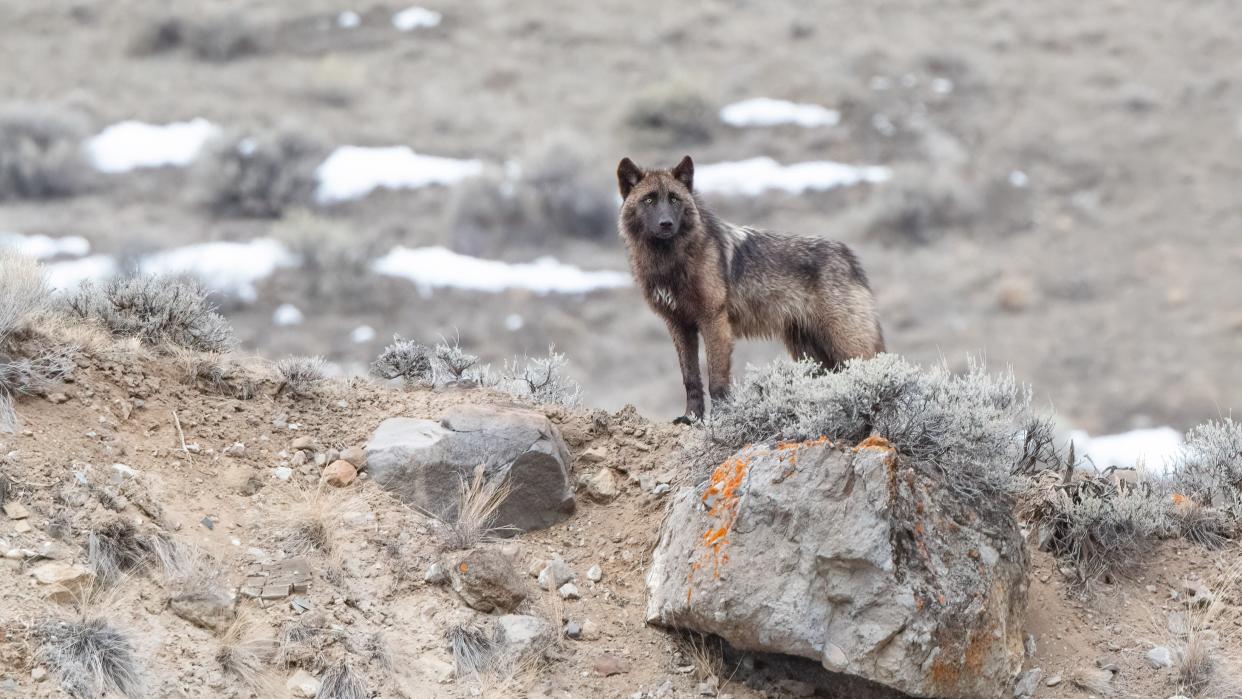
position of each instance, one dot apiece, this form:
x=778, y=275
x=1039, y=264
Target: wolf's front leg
x=686, y=340
x=718, y=336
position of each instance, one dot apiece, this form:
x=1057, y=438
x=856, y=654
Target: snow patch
x=362, y=333
x=1154, y=448
x=229, y=268
x=69, y=274
x=757, y=175
x=288, y=314
x=437, y=267
x=348, y=19
x=765, y=111
x=130, y=145
x=43, y=247
x=352, y=172
x=413, y=18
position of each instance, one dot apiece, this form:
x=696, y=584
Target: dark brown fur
x=707, y=277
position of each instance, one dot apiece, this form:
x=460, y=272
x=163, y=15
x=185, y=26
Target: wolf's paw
x=686, y=420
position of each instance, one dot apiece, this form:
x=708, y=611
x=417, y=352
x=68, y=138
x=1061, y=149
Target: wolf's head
x=658, y=204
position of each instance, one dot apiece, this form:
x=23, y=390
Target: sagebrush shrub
x=455, y=364
x=91, y=658
x=300, y=376
x=215, y=39
x=159, y=310
x=260, y=176
x=541, y=380
x=23, y=293
x=41, y=153
x=406, y=360
x=1209, y=467
x=972, y=428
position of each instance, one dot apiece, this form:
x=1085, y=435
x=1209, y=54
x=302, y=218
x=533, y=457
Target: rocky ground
x=300, y=561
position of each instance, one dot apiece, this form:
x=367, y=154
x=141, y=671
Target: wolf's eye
x=649, y=199
x=673, y=199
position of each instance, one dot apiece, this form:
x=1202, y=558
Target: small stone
x=435, y=575
x=303, y=443
x=213, y=608
x=602, y=486
x=1026, y=686
x=235, y=451
x=1197, y=594
x=594, y=455
x=1152, y=589
x=21, y=526
x=57, y=573
x=521, y=633
x=1160, y=657
x=38, y=674
x=340, y=474
x=1028, y=645
x=661, y=489
x=608, y=665
x=590, y=630
x=282, y=473
x=1053, y=681
x=555, y=574
x=302, y=684
x=301, y=605
x=595, y=573
x=321, y=460
x=568, y=591
x=15, y=510
x=573, y=630
x=57, y=398
x=708, y=688
x=486, y=581
x=834, y=658
x=207, y=522
x=299, y=459
x=356, y=456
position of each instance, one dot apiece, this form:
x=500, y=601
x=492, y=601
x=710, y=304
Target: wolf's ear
x=628, y=175
x=684, y=172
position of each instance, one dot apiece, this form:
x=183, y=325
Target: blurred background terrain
x=1059, y=188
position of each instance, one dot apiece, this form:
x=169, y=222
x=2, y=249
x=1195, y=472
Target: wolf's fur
x=709, y=277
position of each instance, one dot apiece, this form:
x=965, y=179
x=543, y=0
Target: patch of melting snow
x=352, y=172
x=68, y=274
x=130, y=145
x=765, y=111
x=413, y=18
x=43, y=247
x=229, y=268
x=757, y=175
x=287, y=314
x=348, y=19
x=437, y=267
x=362, y=333
x=1154, y=448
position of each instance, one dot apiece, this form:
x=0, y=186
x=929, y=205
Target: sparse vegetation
x=23, y=293
x=300, y=377
x=90, y=657
x=41, y=153
x=216, y=39
x=115, y=550
x=260, y=176
x=472, y=649
x=222, y=374
x=971, y=428
x=1206, y=657
x=540, y=380
x=671, y=114
x=455, y=364
x=472, y=522
x=245, y=655
x=919, y=206
x=309, y=527
x=1209, y=468
x=406, y=360
x=333, y=258
x=161, y=311
x=341, y=682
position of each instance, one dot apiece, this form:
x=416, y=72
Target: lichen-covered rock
x=424, y=462
x=852, y=559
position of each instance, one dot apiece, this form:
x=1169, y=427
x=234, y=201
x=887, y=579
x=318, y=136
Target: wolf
x=706, y=276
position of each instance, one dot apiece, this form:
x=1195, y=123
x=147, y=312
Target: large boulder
x=424, y=462
x=850, y=558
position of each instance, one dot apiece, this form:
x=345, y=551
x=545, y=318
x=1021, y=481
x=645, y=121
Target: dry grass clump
x=472, y=649
x=117, y=549
x=310, y=525
x=974, y=429
x=300, y=377
x=1207, y=656
x=341, y=682
x=90, y=657
x=301, y=643
x=222, y=374
x=540, y=380
x=41, y=154
x=243, y=652
x=470, y=521
x=706, y=654
x=260, y=176
x=162, y=311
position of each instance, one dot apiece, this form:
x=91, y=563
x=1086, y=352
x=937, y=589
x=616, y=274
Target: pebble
x=594, y=455
x=608, y=665
x=595, y=573
x=303, y=443
x=356, y=456
x=568, y=591
x=282, y=473
x=1160, y=657
x=38, y=674
x=1025, y=687
x=435, y=575
x=555, y=574
x=1053, y=681
x=340, y=474
x=234, y=451
x=15, y=510
x=573, y=630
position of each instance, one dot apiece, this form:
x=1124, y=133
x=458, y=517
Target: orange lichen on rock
x=721, y=499
x=875, y=441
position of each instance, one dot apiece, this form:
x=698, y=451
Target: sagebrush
x=23, y=295
x=217, y=39
x=300, y=377
x=260, y=176
x=975, y=429
x=540, y=380
x=161, y=311
x=407, y=360
x=1209, y=467
x=41, y=154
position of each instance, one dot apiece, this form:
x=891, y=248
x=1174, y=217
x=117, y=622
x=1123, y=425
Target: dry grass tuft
x=300, y=377
x=472, y=649
x=341, y=682
x=90, y=657
x=245, y=654
x=310, y=526
x=260, y=176
x=1207, y=658
x=478, y=501
x=117, y=549
x=706, y=654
